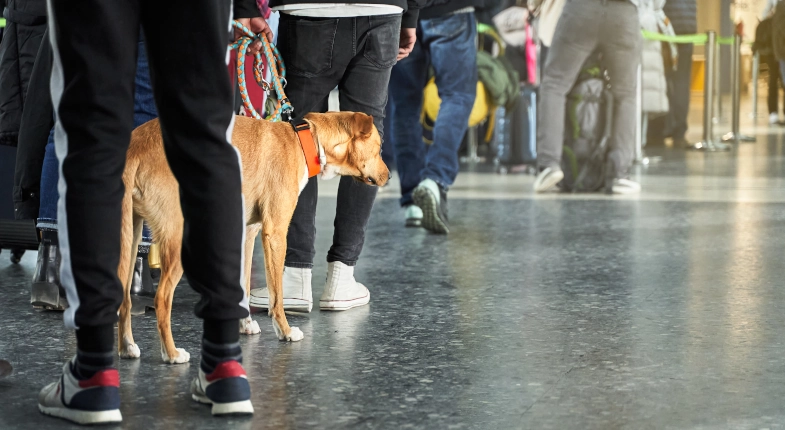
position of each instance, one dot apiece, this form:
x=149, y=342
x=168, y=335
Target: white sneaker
x=548, y=179
x=774, y=118
x=625, y=186
x=342, y=292
x=297, y=294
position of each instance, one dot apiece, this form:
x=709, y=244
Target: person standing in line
x=767, y=55
x=352, y=46
x=778, y=35
x=613, y=27
x=447, y=35
x=683, y=15
x=92, y=88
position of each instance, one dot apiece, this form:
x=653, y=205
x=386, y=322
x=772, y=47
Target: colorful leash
x=283, y=108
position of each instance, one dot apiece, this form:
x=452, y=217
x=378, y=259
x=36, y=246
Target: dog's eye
x=371, y=180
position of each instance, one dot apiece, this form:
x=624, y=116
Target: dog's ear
x=362, y=125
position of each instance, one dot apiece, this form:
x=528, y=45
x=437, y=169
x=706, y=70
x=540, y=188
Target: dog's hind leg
x=248, y=325
x=275, y=224
x=171, y=272
x=131, y=236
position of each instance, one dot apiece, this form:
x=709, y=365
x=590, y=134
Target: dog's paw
x=295, y=335
x=131, y=350
x=182, y=356
x=249, y=326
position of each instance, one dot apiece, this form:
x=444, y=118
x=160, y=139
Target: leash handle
x=284, y=109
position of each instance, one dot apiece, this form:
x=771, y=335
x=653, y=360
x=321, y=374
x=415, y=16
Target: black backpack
x=589, y=123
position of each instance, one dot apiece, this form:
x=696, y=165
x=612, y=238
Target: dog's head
x=352, y=146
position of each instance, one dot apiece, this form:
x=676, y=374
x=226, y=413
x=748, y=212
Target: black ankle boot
x=143, y=286
x=46, y=290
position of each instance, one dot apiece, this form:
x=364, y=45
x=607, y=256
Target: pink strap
x=531, y=56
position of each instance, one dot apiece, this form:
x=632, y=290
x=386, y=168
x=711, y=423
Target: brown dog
x=274, y=173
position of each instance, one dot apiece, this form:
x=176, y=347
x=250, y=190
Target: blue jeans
x=448, y=45
x=144, y=110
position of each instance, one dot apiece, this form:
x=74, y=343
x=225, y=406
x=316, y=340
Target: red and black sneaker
x=90, y=401
x=226, y=388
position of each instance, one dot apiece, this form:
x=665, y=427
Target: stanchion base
x=710, y=146
x=472, y=160
x=731, y=137
x=645, y=160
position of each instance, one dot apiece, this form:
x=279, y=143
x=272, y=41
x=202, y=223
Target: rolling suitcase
x=15, y=235
x=515, y=134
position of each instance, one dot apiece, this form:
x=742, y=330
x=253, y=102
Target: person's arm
x=249, y=15
x=409, y=28
x=409, y=19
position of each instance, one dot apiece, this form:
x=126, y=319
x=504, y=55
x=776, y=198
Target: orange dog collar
x=310, y=150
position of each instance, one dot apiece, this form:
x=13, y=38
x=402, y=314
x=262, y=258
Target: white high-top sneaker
x=342, y=292
x=297, y=294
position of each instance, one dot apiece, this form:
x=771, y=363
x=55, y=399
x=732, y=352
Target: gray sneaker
x=432, y=199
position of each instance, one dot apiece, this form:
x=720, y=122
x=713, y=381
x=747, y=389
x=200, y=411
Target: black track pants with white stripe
x=95, y=46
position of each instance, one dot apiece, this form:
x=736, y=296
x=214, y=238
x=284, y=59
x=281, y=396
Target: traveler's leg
x=309, y=48
x=774, y=84
x=92, y=92
x=407, y=80
x=197, y=132
x=574, y=41
x=680, y=100
x=622, y=47
x=454, y=60
x=363, y=89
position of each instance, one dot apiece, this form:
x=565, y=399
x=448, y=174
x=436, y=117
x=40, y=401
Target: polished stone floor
x=664, y=310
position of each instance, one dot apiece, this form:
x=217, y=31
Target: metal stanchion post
x=639, y=117
x=755, y=77
x=708, y=143
x=472, y=141
x=735, y=135
x=718, y=83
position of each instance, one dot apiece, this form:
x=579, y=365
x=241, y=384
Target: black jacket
x=437, y=8
x=683, y=14
x=410, y=7
x=778, y=31
x=25, y=26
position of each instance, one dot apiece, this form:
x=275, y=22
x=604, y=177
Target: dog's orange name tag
x=312, y=161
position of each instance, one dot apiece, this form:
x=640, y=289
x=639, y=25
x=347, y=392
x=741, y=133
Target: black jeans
x=774, y=84
x=356, y=55
x=95, y=46
x=679, y=96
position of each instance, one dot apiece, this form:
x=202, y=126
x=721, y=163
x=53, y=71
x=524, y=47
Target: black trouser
x=356, y=55
x=774, y=84
x=675, y=123
x=95, y=45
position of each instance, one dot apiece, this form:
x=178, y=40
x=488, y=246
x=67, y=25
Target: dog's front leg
x=248, y=325
x=274, y=241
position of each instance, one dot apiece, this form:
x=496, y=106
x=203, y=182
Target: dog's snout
x=389, y=175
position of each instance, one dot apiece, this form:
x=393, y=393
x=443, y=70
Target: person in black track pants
x=94, y=45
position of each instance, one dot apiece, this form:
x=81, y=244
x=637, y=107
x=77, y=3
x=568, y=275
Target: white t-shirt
x=338, y=10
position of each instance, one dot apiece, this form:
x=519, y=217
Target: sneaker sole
x=297, y=305
x=550, y=183
x=244, y=407
x=83, y=417
x=46, y=295
x=343, y=305
x=431, y=220
x=414, y=222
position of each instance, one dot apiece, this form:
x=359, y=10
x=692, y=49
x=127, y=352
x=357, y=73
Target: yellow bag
x=432, y=102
